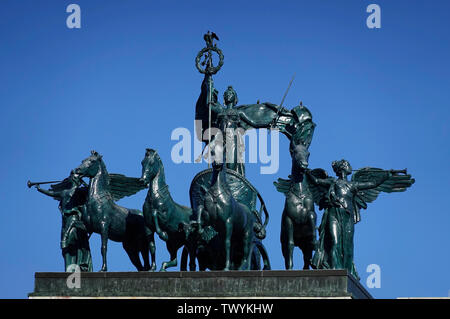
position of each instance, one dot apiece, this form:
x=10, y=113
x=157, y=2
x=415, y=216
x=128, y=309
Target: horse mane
x=103, y=165
x=157, y=157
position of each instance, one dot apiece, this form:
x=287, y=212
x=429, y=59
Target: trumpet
x=31, y=184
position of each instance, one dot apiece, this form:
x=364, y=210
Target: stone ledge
x=208, y=284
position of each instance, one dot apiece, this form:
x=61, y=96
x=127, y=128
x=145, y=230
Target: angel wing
x=63, y=185
x=319, y=192
x=121, y=186
x=397, y=182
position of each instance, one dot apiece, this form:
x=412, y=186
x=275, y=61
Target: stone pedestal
x=209, y=284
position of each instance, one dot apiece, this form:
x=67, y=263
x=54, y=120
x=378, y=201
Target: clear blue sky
x=126, y=79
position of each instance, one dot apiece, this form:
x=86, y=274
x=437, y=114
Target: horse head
x=150, y=165
x=300, y=155
x=89, y=166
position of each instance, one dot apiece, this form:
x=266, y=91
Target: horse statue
x=103, y=216
x=237, y=226
x=210, y=249
x=298, y=222
x=162, y=214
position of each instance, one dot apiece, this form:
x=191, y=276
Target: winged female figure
x=72, y=197
x=342, y=200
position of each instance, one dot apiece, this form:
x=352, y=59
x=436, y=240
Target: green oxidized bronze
x=342, y=200
x=162, y=214
x=232, y=187
x=226, y=223
x=231, y=121
x=103, y=216
x=298, y=222
x=237, y=226
x=72, y=198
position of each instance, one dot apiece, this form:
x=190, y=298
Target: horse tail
x=259, y=227
x=260, y=230
x=263, y=207
x=262, y=253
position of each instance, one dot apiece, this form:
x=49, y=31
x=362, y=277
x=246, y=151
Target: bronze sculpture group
x=224, y=227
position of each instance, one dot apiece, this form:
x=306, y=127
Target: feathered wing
x=283, y=185
x=63, y=185
x=319, y=192
x=395, y=183
x=121, y=186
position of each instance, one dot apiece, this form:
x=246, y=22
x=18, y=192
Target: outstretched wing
x=121, y=186
x=395, y=183
x=364, y=175
x=283, y=185
x=398, y=182
x=319, y=192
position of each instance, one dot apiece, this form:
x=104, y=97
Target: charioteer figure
x=229, y=121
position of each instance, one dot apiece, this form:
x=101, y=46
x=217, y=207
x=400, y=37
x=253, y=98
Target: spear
x=282, y=101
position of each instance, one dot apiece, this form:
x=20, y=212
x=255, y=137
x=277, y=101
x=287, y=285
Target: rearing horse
x=298, y=222
x=111, y=221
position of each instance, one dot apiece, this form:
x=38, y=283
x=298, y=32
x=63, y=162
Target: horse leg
x=173, y=257
x=145, y=249
x=287, y=242
x=228, y=233
x=152, y=248
x=133, y=254
x=264, y=255
x=192, y=257
x=245, y=264
x=104, y=235
x=146, y=257
x=202, y=264
x=307, y=247
x=184, y=258
x=309, y=242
